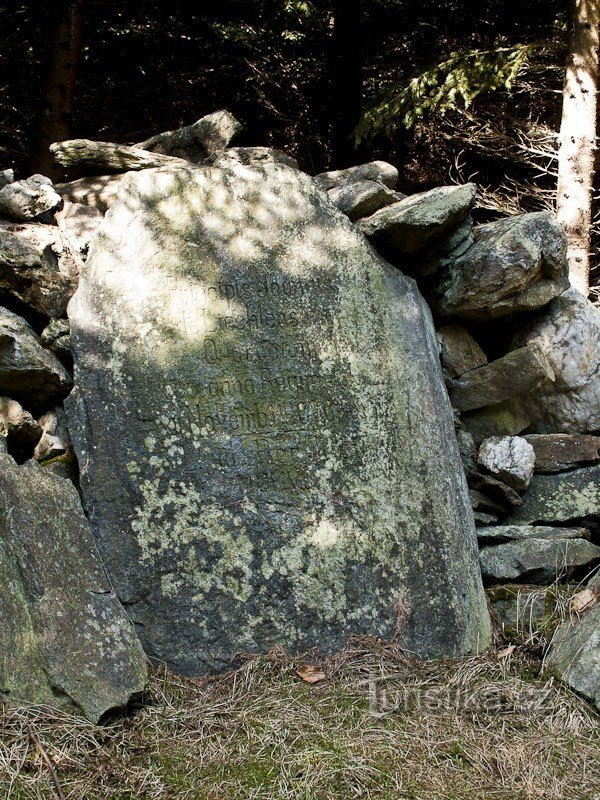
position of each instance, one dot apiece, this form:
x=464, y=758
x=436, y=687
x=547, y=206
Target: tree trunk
x=54, y=121
x=578, y=139
x=347, y=79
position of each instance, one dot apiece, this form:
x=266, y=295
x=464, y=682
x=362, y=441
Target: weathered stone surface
x=362, y=198
x=575, y=654
x=379, y=171
x=82, y=154
x=524, y=612
x=459, y=352
x=79, y=223
x=482, y=518
x=507, y=418
x=516, y=264
x=27, y=371
x=56, y=337
x=484, y=504
x=39, y=267
x=509, y=458
x=17, y=425
x=420, y=220
x=64, y=640
x=568, y=333
x=195, y=142
x=518, y=372
x=55, y=440
x=267, y=451
x=6, y=176
x=561, y=497
x=28, y=199
x=498, y=490
x=507, y=533
x=98, y=191
x=252, y=156
x=556, y=452
x=535, y=559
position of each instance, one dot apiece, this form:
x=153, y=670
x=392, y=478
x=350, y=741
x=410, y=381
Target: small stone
x=507, y=533
x=557, y=452
x=481, y=518
x=459, y=352
x=516, y=373
x=55, y=440
x=362, y=198
x=524, y=612
x=378, y=171
x=56, y=336
x=408, y=227
x=498, y=490
x=535, y=560
x=481, y=503
x=516, y=264
x=509, y=458
x=507, y=418
x=6, y=176
x=17, y=426
x=27, y=199
x=560, y=497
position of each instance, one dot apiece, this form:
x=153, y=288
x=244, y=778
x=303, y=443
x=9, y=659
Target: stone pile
x=259, y=425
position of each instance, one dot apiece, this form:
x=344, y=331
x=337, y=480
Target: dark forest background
x=447, y=91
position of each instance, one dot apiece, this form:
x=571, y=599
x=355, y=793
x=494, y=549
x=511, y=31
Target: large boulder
x=515, y=264
x=28, y=372
x=575, y=653
x=267, y=448
x=406, y=228
x=39, y=267
x=65, y=641
x=568, y=333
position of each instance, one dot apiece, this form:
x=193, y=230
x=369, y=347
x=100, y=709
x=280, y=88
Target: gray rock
x=561, y=497
x=17, y=425
x=483, y=504
x=6, y=176
x=39, y=267
x=252, y=156
x=556, y=452
x=509, y=458
x=266, y=446
x=482, y=519
x=64, y=640
x=523, y=612
x=535, y=560
x=27, y=199
x=575, y=654
x=55, y=440
x=379, y=171
x=195, y=142
x=362, y=198
x=56, y=336
x=79, y=224
x=408, y=227
x=459, y=352
x=568, y=333
x=516, y=264
x=507, y=533
x=514, y=375
x=28, y=372
x=97, y=192
x=102, y=157
x=498, y=490
x=507, y=418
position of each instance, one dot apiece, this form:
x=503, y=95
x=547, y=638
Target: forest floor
x=366, y=723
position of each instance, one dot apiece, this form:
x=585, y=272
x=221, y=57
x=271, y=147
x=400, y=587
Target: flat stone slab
x=65, y=641
x=420, y=220
x=459, y=352
x=362, y=198
x=560, y=497
x=517, y=532
x=267, y=449
x=556, y=452
x=535, y=559
x=379, y=171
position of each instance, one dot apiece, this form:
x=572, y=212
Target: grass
x=377, y=726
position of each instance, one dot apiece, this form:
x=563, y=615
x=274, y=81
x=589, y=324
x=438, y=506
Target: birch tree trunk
x=577, y=141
